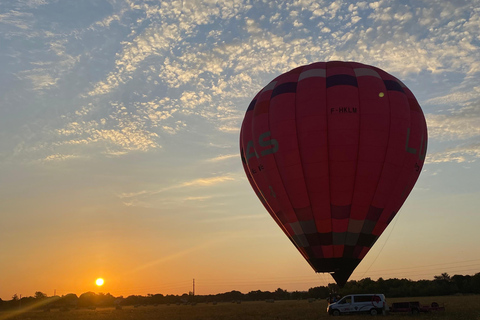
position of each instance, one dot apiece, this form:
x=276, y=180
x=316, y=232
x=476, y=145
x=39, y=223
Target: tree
x=475, y=283
x=319, y=292
x=443, y=277
x=40, y=295
x=87, y=299
x=104, y=300
x=69, y=300
x=281, y=294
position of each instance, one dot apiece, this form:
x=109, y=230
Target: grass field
x=457, y=308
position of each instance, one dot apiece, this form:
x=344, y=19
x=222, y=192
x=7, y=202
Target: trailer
x=414, y=307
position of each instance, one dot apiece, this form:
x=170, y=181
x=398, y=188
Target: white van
x=359, y=303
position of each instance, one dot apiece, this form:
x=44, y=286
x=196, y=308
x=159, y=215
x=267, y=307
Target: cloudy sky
x=119, y=129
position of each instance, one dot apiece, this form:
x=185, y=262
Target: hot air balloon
x=332, y=150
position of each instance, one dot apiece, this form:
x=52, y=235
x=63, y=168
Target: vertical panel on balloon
x=313, y=145
x=394, y=184
x=251, y=165
x=343, y=136
x=263, y=198
x=373, y=141
x=283, y=128
x=262, y=165
x=415, y=107
x=248, y=152
x=268, y=179
x=415, y=147
x=399, y=122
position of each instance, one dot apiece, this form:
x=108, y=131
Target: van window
x=347, y=299
x=363, y=298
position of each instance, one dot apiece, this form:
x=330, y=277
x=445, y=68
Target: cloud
x=206, y=181
x=154, y=40
x=223, y=157
x=459, y=124
x=59, y=157
x=172, y=62
x=198, y=198
x=455, y=97
x=21, y=21
x=40, y=79
x=191, y=99
x=47, y=73
x=467, y=153
x=201, y=182
x=215, y=74
x=171, y=24
x=122, y=130
x=252, y=26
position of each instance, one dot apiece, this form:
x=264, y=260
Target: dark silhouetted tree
x=319, y=292
x=87, y=299
x=40, y=295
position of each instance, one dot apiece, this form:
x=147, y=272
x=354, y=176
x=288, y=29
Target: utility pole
x=193, y=287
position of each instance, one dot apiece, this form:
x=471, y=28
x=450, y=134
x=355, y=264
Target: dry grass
x=457, y=307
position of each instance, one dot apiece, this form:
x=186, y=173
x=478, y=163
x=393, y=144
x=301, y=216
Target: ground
x=457, y=307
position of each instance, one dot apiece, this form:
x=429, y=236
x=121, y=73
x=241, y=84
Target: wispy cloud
x=462, y=154
x=204, y=198
x=206, y=181
x=127, y=134
x=200, y=182
x=59, y=157
x=223, y=157
x=458, y=124
x=455, y=97
x=153, y=41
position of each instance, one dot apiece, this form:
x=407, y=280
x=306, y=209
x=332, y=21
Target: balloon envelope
x=333, y=149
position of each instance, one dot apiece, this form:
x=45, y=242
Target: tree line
x=443, y=284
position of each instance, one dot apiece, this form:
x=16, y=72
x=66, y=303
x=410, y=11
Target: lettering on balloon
x=407, y=148
x=251, y=150
x=270, y=146
x=260, y=168
x=423, y=146
x=343, y=110
x=272, y=193
x=267, y=144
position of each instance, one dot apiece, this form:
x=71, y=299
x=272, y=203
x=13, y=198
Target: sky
x=119, y=134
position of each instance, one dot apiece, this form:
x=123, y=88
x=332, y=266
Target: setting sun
x=99, y=282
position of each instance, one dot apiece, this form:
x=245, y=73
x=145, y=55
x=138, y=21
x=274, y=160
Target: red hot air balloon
x=333, y=149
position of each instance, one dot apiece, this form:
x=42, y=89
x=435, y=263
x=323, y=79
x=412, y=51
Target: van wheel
x=335, y=313
x=373, y=312
x=415, y=311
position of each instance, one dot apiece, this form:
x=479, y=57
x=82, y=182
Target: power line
x=431, y=265
x=383, y=246
x=428, y=270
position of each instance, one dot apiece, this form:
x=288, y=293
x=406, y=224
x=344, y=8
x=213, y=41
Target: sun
x=99, y=282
